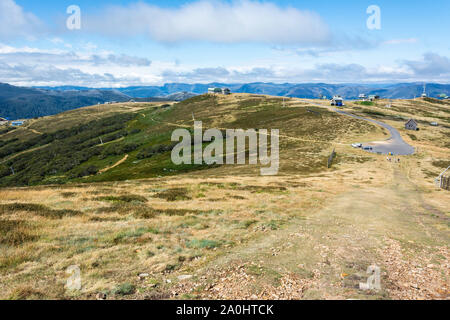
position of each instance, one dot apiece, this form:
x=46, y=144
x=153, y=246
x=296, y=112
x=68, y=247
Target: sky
x=120, y=43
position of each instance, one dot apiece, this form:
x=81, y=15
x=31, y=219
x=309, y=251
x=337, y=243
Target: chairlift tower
x=424, y=94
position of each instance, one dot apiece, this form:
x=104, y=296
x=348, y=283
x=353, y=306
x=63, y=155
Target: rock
x=184, y=277
x=142, y=276
x=101, y=296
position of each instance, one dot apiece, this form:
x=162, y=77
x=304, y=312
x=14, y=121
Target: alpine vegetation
x=235, y=144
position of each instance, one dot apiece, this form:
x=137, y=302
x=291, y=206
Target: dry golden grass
x=79, y=116
x=240, y=235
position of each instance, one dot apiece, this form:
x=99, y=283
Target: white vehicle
x=357, y=145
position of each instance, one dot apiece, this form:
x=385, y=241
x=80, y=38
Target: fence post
x=330, y=158
x=445, y=183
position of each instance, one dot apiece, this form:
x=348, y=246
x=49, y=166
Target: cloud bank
x=432, y=67
x=29, y=75
x=27, y=67
x=213, y=21
x=15, y=22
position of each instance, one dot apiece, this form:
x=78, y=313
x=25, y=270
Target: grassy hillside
x=224, y=232
x=85, y=145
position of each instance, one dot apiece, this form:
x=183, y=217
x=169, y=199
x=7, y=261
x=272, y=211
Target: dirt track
x=118, y=163
x=386, y=226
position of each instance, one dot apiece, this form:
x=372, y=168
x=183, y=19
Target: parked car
x=368, y=148
x=357, y=145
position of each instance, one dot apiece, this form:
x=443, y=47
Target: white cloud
x=216, y=21
x=33, y=66
x=34, y=75
x=15, y=22
x=338, y=43
x=27, y=55
x=432, y=64
x=433, y=67
x=5, y=49
x=220, y=74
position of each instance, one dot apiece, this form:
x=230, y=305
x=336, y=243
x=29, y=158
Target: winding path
x=394, y=144
x=118, y=163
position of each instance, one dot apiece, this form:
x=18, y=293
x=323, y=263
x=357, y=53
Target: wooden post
x=445, y=183
x=330, y=158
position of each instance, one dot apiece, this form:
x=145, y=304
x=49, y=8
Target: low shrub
x=203, y=244
x=38, y=209
x=124, y=198
x=15, y=232
x=175, y=194
x=125, y=289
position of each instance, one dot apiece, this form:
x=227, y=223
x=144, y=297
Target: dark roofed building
x=411, y=125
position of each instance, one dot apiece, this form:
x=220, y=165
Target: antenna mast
x=424, y=94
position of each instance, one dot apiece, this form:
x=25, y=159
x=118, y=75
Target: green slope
x=75, y=153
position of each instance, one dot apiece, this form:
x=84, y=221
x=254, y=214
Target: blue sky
x=124, y=42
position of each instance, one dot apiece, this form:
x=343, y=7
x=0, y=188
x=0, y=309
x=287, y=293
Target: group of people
x=395, y=160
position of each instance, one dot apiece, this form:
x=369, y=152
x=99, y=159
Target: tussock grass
x=104, y=219
x=124, y=208
x=124, y=198
x=203, y=244
x=68, y=194
x=175, y=194
x=277, y=223
x=262, y=189
x=37, y=209
x=250, y=188
x=131, y=235
x=125, y=289
x=26, y=293
x=16, y=232
x=442, y=164
x=145, y=212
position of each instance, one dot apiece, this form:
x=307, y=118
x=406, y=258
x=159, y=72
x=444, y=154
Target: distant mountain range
x=305, y=90
x=21, y=102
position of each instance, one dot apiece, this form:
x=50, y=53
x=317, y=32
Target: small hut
x=411, y=125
